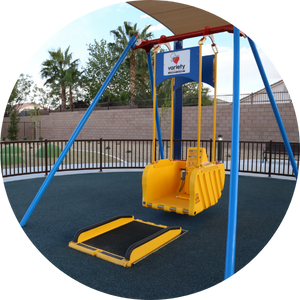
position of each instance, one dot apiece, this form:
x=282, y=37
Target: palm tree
x=143, y=86
x=55, y=69
x=73, y=79
x=122, y=37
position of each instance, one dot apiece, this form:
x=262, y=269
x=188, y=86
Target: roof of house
x=24, y=105
x=261, y=90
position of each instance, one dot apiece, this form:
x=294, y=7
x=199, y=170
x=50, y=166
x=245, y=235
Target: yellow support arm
x=172, y=118
x=201, y=42
x=154, y=105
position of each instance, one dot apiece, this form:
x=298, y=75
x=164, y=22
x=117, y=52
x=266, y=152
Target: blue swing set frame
x=233, y=196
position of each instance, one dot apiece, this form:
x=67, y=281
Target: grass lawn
x=73, y=157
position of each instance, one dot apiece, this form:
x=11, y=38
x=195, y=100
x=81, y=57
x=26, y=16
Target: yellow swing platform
x=184, y=187
x=124, y=240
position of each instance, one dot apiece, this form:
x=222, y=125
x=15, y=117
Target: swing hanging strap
x=201, y=42
x=215, y=50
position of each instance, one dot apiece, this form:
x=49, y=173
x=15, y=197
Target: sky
x=98, y=24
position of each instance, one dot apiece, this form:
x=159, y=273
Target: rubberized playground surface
x=191, y=263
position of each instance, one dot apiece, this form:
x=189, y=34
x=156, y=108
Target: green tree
x=164, y=90
x=100, y=62
x=25, y=86
x=41, y=96
x=19, y=92
x=142, y=79
x=35, y=120
x=54, y=70
x=13, y=127
x=12, y=91
x=122, y=35
x=22, y=90
x=10, y=97
x=190, y=94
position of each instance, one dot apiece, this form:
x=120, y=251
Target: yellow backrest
x=191, y=159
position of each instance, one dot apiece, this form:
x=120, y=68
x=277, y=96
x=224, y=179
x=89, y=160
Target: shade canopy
x=179, y=18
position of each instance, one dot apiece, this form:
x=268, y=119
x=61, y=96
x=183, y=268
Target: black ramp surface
x=118, y=240
x=194, y=262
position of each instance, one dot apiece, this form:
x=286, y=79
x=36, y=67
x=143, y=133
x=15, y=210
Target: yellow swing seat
x=181, y=186
x=185, y=187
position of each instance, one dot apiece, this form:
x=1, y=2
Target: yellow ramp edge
x=87, y=239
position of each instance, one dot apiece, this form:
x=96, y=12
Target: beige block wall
x=257, y=123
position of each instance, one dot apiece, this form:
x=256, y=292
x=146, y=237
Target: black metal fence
x=257, y=98
x=29, y=157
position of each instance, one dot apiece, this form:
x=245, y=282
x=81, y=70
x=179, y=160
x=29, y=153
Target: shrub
x=10, y=149
x=52, y=151
x=13, y=127
x=11, y=159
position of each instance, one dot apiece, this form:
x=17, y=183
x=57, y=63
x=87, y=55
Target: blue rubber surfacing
x=193, y=262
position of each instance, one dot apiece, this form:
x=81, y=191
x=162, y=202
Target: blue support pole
x=177, y=135
x=42, y=189
x=234, y=173
x=161, y=148
x=274, y=107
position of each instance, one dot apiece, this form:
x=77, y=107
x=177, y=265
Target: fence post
x=270, y=158
x=101, y=155
x=210, y=150
x=220, y=148
x=46, y=157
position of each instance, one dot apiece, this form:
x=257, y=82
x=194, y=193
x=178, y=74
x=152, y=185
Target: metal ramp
x=123, y=240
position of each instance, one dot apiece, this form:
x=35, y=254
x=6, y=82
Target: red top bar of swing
x=148, y=44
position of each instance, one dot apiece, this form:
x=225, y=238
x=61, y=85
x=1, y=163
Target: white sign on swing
x=177, y=62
